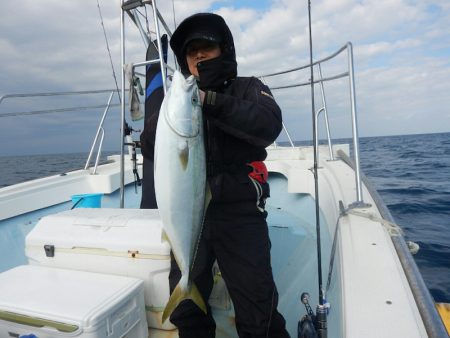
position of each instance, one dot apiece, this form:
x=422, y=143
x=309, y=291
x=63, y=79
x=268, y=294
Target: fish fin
x=197, y=298
x=183, y=153
x=178, y=296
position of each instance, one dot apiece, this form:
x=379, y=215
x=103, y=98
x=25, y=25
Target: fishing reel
x=128, y=130
x=312, y=325
x=133, y=145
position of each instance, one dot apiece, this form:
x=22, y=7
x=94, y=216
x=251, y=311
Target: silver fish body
x=180, y=180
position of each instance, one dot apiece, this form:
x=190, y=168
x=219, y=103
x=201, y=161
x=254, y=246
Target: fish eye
x=194, y=99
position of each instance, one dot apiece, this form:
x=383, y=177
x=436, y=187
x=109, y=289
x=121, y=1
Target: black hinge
x=49, y=250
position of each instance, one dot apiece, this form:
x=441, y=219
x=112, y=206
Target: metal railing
x=100, y=144
x=321, y=80
x=129, y=7
x=50, y=94
x=100, y=131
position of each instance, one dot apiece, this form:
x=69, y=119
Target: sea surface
x=411, y=174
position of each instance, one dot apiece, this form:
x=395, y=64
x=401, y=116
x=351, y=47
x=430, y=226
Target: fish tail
x=178, y=295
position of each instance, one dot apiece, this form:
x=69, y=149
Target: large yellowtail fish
x=180, y=181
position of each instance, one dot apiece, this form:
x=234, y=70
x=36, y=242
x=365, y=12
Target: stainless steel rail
x=100, y=130
x=122, y=108
x=325, y=111
x=82, y=92
x=157, y=19
x=308, y=65
x=321, y=80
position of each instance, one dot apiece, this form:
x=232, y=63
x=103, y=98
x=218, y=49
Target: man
x=241, y=119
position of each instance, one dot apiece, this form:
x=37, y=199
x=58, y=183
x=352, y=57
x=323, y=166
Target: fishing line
x=147, y=24
x=145, y=17
x=173, y=12
x=109, y=51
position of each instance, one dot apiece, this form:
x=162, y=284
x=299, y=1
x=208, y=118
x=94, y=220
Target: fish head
x=184, y=108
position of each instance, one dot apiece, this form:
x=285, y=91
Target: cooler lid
x=62, y=299
x=115, y=230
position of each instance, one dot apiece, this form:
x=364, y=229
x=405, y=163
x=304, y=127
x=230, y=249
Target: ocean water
x=411, y=174
x=16, y=169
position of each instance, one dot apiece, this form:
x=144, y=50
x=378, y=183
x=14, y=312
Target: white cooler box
x=124, y=242
x=50, y=303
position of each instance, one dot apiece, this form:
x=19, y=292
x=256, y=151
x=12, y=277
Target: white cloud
x=401, y=48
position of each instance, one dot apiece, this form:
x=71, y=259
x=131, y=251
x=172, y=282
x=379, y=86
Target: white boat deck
x=369, y=293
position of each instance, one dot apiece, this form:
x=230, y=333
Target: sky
x=401, y=60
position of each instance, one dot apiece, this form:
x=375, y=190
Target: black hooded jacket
x=241, y=117
x=241, y=121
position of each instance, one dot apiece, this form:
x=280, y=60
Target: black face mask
x=215, y=74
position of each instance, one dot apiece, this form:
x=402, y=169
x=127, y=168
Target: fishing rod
x=311, y=325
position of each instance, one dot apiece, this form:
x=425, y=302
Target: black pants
x=237, y=236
